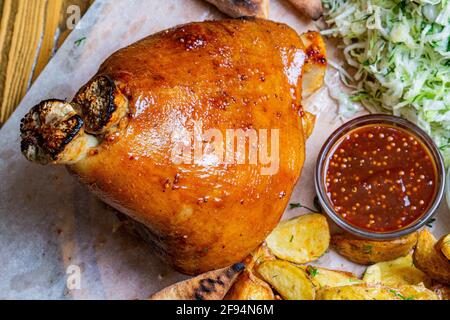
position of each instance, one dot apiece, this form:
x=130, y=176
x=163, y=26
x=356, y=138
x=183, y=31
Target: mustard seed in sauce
x=381, y=178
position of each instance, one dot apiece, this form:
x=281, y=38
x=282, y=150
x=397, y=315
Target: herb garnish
x=80, y=41
x=400, y=295
x=430, y=223
x=312, y=271
x=299, y=205
x=367, y=249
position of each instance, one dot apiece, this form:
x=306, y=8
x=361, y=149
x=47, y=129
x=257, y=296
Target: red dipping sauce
x=380, y=178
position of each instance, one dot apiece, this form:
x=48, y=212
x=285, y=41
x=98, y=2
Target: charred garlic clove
x=53, y=132
x=101, y=104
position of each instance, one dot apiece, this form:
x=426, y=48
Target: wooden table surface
x=31, y=31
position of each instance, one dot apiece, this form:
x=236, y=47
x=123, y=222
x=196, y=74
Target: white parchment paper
x=49, y=223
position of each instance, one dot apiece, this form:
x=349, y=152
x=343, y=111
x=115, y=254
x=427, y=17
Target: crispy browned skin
x=368, y=252
x=229, y=74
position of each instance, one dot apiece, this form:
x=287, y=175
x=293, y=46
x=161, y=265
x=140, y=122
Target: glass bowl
x=322, y=167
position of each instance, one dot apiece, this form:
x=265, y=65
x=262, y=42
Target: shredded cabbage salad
x=400, y=52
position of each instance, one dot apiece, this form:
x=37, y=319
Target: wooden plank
x=56, y=24
x=30, y=33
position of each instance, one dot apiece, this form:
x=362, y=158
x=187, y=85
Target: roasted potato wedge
x=325, y=278
x=309, y=121
x=311, y=8
x=212, y=285
x=441, y=290
x=249, y=287
x=429, y=260
x=358, y=292
x=315, y=66
x=444, y=246
x=288, y=280
x=248, y=8
x=258, y=256
x=419, y=292
x=367, y=252
x=376, y=292
x=300, y=240
x=395, y=273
